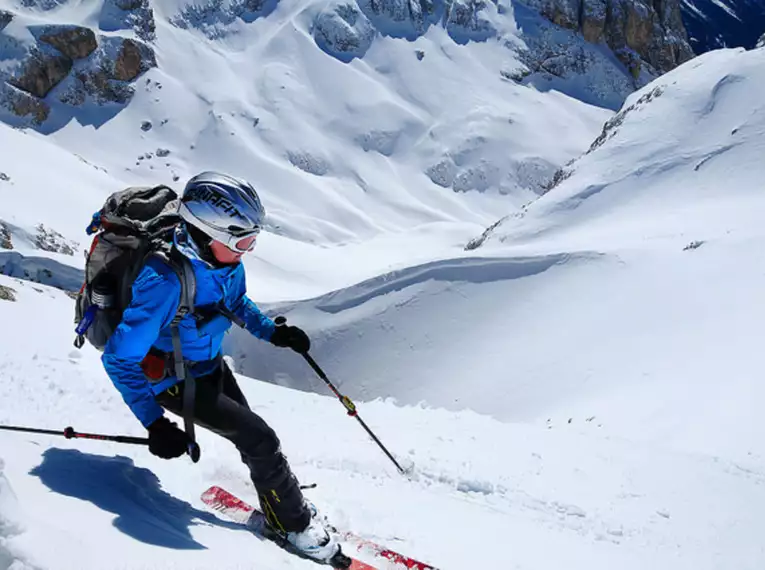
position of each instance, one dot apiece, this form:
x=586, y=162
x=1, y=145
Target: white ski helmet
x=225, y=208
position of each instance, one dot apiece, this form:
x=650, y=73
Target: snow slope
x=581, y=390
x=368, y=154
x=363, y=147
x=603, y=298
x=484, y=492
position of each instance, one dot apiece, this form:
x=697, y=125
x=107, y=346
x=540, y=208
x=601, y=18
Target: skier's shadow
x=144, y=511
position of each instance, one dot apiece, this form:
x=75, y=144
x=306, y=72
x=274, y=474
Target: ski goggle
x=239, y=240
x=241, y=244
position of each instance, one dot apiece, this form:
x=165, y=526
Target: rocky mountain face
x=646, y=35
x=44, y=65
x=714, y=24
x=72, y=64
x=347, y=30
x=637, y=31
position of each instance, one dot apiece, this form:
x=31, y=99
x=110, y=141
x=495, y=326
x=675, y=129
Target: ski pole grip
x=130, y=439
x=194, y=451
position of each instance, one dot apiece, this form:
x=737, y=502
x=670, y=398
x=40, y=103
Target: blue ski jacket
x=146, y=323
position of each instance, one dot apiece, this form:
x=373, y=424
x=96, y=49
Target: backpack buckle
x=179, y=315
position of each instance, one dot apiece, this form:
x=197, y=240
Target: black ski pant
x=221, y=407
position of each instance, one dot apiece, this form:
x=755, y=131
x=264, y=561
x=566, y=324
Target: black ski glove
x=291, y=337
x=166, y=440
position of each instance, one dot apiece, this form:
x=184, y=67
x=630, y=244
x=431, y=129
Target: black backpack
x=133, y=225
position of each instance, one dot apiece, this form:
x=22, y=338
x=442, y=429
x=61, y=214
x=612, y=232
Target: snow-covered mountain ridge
x=306, y=128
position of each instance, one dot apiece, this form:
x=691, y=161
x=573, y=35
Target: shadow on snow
x=144, y=511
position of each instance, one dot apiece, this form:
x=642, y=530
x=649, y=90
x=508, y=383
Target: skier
x=221, y=218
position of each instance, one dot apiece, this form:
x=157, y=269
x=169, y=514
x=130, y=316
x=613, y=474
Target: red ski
x=239, y=511
x=374, y=549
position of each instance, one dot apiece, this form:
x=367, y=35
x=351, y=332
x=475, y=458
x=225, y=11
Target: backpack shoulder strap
x=183, y=269
x=185, y=272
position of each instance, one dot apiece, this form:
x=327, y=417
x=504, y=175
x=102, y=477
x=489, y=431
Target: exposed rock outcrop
x=5, y=19
x=214, y=17
x=22, y=104
x=412, y=14
x=610, y=130
x=136, y=15
x=109, y=71
x=48, y=239
x=469, y=19
x=44, y=5
x=464, y=19
x=132, y=60
x=344, y=31
x=7, y=293
x=75, y=42
x=593, y=18
x=636, y=30
x=79, y=62
x=5, y=237
x=41, y=72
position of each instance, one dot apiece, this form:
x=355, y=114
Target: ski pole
x=351, y=407
x=69, y=433
x=344, y=400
